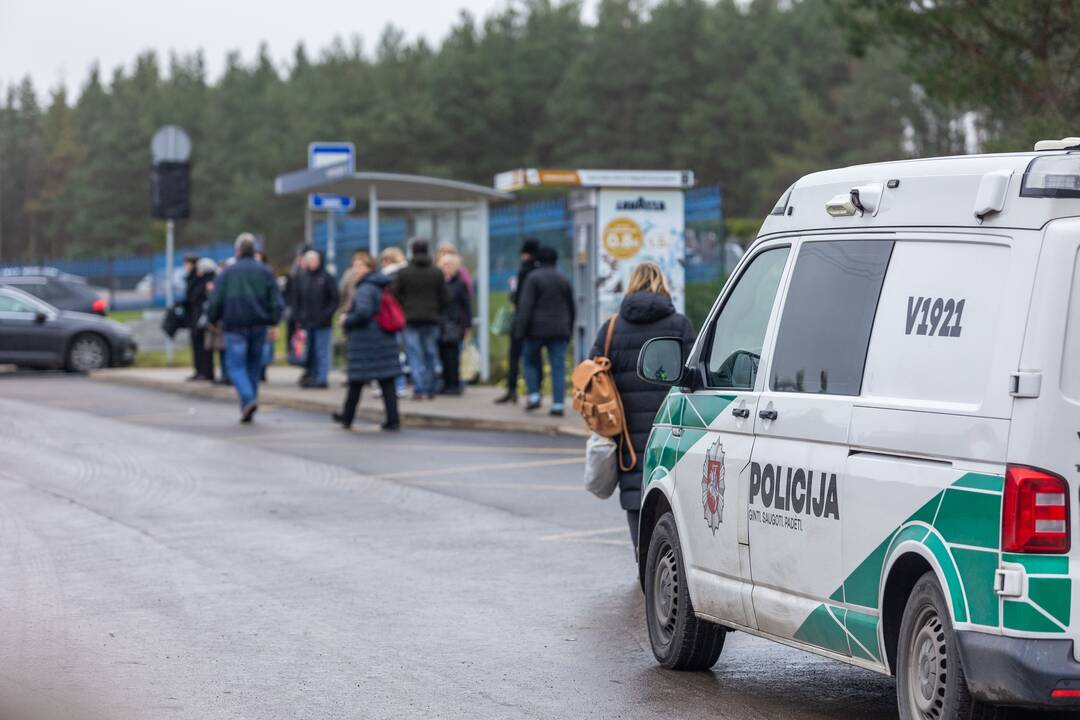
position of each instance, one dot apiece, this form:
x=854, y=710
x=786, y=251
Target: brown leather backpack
x=598, y=401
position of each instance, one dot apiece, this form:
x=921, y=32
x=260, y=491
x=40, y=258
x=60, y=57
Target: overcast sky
x=55, y=41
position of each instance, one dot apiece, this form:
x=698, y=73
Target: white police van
x=872, y=452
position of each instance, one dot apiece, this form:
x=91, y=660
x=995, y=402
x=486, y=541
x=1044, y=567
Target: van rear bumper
x=1018, y=671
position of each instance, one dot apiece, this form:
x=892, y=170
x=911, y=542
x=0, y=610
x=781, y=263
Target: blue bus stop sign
x=321, y=154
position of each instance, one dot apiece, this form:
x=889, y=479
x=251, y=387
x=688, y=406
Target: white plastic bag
x=470, y=363
x=601, y=466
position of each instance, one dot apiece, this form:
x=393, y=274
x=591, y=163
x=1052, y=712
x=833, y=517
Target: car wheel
x=679, y=639
x=86, y=353
x=930, y=682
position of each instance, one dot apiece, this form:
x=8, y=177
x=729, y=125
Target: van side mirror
x=40, y=318
x=661, y=361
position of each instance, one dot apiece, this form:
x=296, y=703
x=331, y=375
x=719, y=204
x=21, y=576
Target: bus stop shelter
x=414, y=194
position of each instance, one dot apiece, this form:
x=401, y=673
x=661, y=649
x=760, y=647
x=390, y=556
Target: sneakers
x=533, y=404
x=248, y=412
x=557, y=411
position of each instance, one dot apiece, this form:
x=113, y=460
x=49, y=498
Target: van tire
x=679, y=639
x=930, y=682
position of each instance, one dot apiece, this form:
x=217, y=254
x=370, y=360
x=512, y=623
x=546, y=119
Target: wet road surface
x=159, y=560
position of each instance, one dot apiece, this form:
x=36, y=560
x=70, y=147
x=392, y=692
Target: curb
x=408, y=419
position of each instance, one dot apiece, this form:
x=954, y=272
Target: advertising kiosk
x=620, y=218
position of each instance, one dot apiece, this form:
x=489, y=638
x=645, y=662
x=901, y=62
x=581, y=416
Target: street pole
x=307, y=224
x=331, y=243
x=168, y=284
x=483, y=282
x=373, y=221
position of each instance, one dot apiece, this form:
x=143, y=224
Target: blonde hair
x=450, y=263
x=365, y=259
x=392, y=255
x=648, y=277
x=444, y=249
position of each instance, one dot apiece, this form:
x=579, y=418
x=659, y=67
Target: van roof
x=927, y=192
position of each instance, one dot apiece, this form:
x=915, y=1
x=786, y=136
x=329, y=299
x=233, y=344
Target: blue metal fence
x=139, y=281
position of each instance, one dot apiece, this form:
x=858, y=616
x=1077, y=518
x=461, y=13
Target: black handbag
x=451, y=331
x=173, y=320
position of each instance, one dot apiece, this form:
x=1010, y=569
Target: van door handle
x=768, y=415
x=740, y=412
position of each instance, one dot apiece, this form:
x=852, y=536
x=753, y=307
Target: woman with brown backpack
x=646, y=312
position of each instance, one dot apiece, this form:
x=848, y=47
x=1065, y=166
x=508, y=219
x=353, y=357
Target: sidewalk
x=475, y=410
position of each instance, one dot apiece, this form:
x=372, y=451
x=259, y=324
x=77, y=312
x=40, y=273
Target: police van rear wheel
x=930, y=683
x=680, y=641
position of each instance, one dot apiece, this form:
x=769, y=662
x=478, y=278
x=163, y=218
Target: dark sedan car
x=60, y=289
x=33, y=333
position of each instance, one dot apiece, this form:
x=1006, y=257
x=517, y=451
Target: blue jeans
x=556, y=352
x=243, y=361
x=321, y=341
x=422, y=349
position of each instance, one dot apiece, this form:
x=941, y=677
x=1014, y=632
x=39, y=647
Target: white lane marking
x=593, y=537
x=488, y=485
x=481, y=468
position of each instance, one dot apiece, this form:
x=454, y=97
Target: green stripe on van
x=978, y=481
x=1021, y=616
x=977, y=568
x=1054, y=595
x=1040, y=564
x=822, y=630
x=970, y=518
x=863, y=628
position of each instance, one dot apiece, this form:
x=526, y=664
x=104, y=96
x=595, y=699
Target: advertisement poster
x=635, y=226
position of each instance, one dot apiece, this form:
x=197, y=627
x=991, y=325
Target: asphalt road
x=158, y=560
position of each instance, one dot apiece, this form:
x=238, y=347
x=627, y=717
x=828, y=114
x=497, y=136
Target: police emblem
x=712, y=486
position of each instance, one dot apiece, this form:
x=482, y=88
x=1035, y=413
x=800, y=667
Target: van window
x=739, y=330
x=937, y=324
x=828, y=316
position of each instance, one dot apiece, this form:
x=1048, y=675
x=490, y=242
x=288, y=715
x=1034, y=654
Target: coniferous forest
x=749, y=95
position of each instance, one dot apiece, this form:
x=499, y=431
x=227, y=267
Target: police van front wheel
x=930, y=683
x=680, y=641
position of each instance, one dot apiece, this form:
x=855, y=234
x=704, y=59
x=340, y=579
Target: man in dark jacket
x=545, y=319
x=422, y=292
x=528, y=264
x=246, y=301
x=317, y=300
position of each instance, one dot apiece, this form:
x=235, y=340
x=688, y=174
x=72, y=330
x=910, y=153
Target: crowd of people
x=418, y=309
x=233, y=308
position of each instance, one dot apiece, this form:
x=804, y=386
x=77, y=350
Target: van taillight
x=1035, y=516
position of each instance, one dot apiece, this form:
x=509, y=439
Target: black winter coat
x=198, y=293
x=457, y=315
x=546, y=306
x=642, y=316
x=371, y=352
x=523, y=275
x=421, y=289
x=317, y=298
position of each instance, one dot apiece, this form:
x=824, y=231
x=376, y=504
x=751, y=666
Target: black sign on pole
x=170, y=191
x=170, y=179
